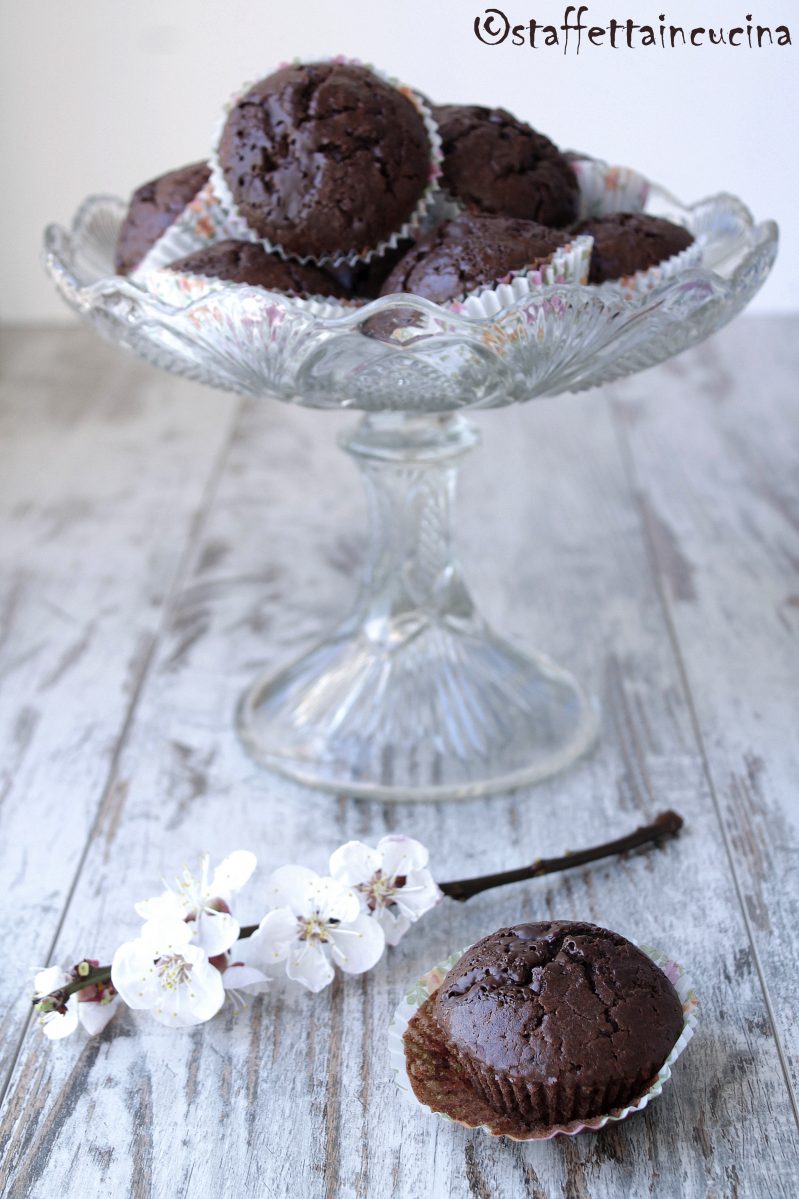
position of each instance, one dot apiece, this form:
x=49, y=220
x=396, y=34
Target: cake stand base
x=414, y=697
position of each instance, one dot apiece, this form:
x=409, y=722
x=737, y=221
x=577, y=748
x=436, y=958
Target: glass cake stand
x=413, y=696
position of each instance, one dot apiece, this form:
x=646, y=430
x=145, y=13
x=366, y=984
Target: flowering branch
x=181, y=966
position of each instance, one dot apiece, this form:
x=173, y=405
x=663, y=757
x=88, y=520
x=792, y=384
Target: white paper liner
x=180, y=288
x=605, y=189
x=199, y=225
x=238, y=226
x=568, y=264
x=433, y=979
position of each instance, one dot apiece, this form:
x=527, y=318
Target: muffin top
x=153, y=208
x=324, y=159
x=626, y=242
x=468, y=252
x=540, y=1001
x=249, y=262
x=497, y=164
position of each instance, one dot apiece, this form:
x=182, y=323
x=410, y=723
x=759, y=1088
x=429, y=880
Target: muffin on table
x=547, y=1023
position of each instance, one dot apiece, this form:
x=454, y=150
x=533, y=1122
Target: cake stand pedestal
x=414, y=696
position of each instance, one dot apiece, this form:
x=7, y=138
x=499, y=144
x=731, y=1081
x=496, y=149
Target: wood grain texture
x=723, y=528
x=559, y=540
x=104, y=467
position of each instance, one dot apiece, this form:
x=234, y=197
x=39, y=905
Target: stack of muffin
x=328, y=180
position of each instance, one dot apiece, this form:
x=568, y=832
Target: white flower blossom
x=92, y=1007
x=392, y=881
x=164, y=972
x=314, y=924
x=205, y=902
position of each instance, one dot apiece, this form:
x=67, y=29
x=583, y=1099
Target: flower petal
x=308, y=964
x=357, y=945
x=167, y=906
x=133, y=974
x=94, y=1016
x=232, y=873
x=56, y=1025
x=273, y=941
x=163, y=937
x=419, y=895
x=355, y=863
x=49, y=980
x=215, y=931
x=401, y=855
x=288, y=888
x=394, y=927
x=244, y=978
x=331, y=900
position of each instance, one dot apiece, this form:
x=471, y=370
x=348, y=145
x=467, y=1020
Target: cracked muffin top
x=325, y=159
x=538, y=1002
x=495, y=163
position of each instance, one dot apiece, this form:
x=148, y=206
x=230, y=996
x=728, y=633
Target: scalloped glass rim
x=564, y=337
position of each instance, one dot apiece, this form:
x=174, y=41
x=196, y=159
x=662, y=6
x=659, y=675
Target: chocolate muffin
x=470, y=251
x=557, y=1021
x=249, y=262
x=153, y=208
x=497, y=164
x=626, y=242
x=325, y=159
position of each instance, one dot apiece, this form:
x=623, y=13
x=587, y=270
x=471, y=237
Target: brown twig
x=666, y=825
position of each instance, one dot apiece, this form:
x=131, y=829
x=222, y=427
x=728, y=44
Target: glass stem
x=412, y=577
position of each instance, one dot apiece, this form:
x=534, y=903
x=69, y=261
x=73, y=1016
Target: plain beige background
x=99, y=95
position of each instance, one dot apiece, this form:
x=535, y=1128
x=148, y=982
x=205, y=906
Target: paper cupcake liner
x=605, y=189
x=568, y=264
x=429, y=983
x=181, y=288
x=239, y=228
x=200, y=224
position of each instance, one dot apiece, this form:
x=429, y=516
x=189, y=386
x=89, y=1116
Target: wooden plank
x=99, y=455
x=295, y=1097
x=723, y=528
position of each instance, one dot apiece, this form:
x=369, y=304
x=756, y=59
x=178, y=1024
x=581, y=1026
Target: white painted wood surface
x=161, y=543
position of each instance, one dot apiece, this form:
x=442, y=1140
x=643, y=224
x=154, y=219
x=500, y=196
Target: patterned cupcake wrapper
x=180, y=288
x=237, y=225
x=201, y=224
x=605, y=189
x=567, y=264
x=504, y=1097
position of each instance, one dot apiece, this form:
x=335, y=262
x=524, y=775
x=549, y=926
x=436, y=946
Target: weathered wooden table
x=161, y=542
